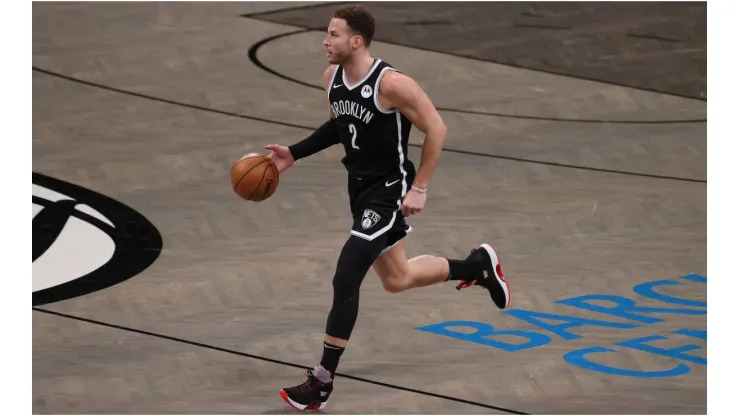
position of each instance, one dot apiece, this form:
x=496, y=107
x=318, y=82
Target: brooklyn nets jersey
x=375, y=139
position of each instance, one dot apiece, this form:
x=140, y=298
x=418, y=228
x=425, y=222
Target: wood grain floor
x=584, y=186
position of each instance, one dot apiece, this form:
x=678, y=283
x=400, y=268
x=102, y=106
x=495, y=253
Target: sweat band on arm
x=322, y=138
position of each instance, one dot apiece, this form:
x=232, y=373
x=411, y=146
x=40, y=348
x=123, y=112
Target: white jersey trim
x=401, y=158
x=376, y=96
x=330, y=87
x=362, y=81
x=332, y=80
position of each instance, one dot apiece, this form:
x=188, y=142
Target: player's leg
x=398, y=273
x=357, y=256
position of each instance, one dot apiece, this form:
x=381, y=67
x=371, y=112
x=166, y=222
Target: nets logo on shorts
x=369, y=219
x=84, y=242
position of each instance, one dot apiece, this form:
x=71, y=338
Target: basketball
x=254, y=177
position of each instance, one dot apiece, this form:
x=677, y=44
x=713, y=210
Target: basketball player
x=372, y=108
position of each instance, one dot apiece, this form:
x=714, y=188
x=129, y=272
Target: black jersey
x=375, y=139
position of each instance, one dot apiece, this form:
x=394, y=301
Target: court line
x=274, y=361
x=166, y=100
x=282, y=123
x=259, y=16
x=293, y=8
x=253, y=56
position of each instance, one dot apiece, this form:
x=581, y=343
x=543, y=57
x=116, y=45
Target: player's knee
x=355, y=260
x=346, y=285
x=395, y=284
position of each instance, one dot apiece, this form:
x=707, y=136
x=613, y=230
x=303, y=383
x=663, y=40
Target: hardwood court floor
x=584, y=187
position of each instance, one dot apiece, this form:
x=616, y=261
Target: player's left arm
x=405, y=95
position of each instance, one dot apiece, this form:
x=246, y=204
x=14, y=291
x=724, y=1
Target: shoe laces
x=463, y=284
x=310, y=384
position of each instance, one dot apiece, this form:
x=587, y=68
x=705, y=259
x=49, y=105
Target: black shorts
x=376, y=211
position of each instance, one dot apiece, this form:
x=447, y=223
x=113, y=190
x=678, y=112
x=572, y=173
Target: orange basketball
x=254, y=177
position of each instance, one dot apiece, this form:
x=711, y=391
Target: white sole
x=296, y=405
x=501, y=279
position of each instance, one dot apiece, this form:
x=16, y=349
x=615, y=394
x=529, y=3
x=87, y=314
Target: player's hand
x=413, y=203
x=281, y=156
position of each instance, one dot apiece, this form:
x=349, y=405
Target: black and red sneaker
x=313, y=393
x=490, y=275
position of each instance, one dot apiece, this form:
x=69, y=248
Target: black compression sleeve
x=322, y=138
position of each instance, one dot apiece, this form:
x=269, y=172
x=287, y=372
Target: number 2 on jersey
x=353, y=130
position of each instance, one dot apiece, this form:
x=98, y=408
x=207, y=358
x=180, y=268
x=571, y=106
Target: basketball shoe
x=489, y=275
x=313, y=393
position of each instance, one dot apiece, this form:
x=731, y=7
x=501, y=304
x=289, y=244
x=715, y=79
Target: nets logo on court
x=369, y=219
x=84, y=241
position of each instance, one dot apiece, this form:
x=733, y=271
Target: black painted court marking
x=274, y=361
x=298, y=126
x=259, y=16
x=540, y=26
x=427, y=23
x=253, y=54
x=293, y=8
x=165, y=100
x=654, y=37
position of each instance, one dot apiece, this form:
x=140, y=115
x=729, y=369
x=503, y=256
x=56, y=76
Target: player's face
x=340, y=43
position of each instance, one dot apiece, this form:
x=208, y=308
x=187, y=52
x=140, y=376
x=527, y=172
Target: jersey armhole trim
x=376, y=93
x=332, y=80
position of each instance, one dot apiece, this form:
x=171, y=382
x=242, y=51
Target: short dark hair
x=359, y=20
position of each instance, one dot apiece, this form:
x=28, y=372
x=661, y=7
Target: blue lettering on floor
x=607, y=306
x=486, y=334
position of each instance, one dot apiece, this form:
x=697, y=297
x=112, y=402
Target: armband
x=322, y=138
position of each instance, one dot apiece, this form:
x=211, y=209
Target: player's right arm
x=322, y=138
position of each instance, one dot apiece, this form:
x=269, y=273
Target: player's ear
x=356, y=41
